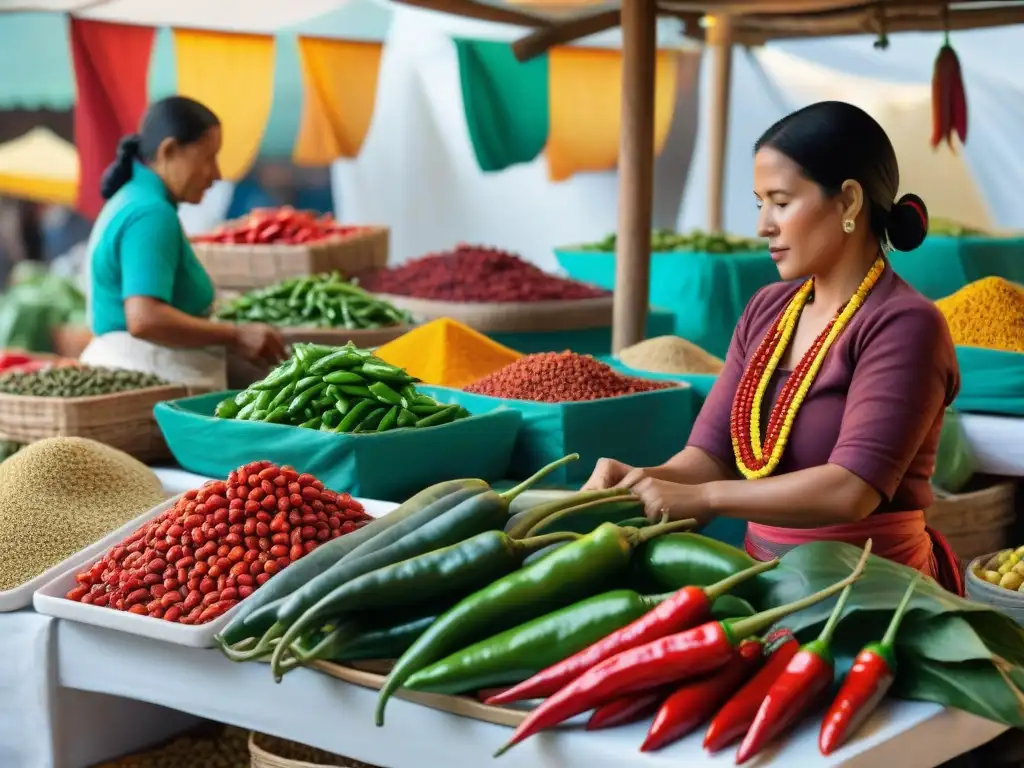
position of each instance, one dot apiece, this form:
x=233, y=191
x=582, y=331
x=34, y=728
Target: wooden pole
x=720, y=38
x=636, y=173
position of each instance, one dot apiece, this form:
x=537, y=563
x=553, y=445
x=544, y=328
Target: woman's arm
x=154, y=321
x=692, y=466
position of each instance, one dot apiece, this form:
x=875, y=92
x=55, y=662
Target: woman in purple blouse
x=845, y=369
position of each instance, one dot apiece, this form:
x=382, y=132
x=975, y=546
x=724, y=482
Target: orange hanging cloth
x=949, y=100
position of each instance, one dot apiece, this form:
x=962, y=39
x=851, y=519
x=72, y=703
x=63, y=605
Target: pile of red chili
x=218, y=544
x=284, y=226
x=473, y=273
x=559, y=377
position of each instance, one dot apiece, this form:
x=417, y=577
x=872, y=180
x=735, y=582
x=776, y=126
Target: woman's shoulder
x=899, y=308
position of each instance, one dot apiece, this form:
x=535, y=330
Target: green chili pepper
x=323, y=402
x=689, y=559
x=278, y=376
x=342, y=404
x=356, y=390
x=521, y=523
x=276, y=415
x=303, y=577
x=332, y=391
x=264, y=399
x=409, y=393
x=303, y=399
x=344, y=377
x=245, y=397
x=451, y=413
x=313, y=423
x=226, y=409
x=246, y=412
x=372, y=420
x=306, y=382
x=517, y=654
x=284, y=395
x=584, y=518
x=576, y=571
x=330, y=420
x=471, y=509
x=448, y=573
x=382, y=640
x=407, y=418
x=390, y=420
x=258, y=415
x=357, y=413
x=428, y=410
x=424, y=400
x=342, y=358
x=384, y=393
x=378, y=369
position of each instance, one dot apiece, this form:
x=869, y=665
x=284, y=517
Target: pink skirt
x=901, y=537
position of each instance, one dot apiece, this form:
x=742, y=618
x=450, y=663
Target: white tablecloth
x=996, y=443
x=26, y=689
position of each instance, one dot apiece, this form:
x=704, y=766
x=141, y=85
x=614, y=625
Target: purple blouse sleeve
x=904, y=377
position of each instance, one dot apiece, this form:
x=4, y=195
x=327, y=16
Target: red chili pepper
x=808, y=674
x=695, y=702
x=685, y=609
x=866, y=684
x=674, y=658
x=628, y=709
x=735, y=718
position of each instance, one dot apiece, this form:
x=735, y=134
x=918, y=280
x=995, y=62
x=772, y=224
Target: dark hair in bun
x=176, y=117
x=833, y=141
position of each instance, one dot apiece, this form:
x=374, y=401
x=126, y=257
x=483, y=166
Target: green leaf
x=973, y=686
x=731, y=607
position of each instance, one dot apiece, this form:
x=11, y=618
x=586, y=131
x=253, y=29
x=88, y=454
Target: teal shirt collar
x=147, y=181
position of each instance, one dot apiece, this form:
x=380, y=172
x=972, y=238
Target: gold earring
x=848, y=225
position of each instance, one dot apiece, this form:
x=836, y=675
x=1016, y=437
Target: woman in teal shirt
x=149, y=295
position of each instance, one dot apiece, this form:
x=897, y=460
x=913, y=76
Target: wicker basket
x=975, y=522
x=243, y=267
x=123, y=420
x=272, y=752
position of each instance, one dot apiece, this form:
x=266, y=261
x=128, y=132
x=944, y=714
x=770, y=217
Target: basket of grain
x=977, y=521
x=110, y=406
x=272, y=752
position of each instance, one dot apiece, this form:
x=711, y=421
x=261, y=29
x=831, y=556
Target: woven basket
x=243, y=267
x=122, y=420
x=272, y=752
x=975, y=522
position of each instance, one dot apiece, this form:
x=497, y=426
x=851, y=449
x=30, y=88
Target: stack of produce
x=693, y=242
x=446, y=353
x=209, y=746
x=58, y=496
x=338, y=389
x=472, y=273
x=23, y=363
x=219, y=544
x=76, y=381
x=560, y=377
x=987, y=313
x=1004, y=569
x=670, y=354
x=281, y=226
x=316, y=301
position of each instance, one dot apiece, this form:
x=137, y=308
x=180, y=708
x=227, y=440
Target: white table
x=996, y=443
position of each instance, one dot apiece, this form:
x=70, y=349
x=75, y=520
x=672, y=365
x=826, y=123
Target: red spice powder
x=472, y=273
x=559, y=377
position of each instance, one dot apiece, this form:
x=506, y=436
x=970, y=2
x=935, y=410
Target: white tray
x=21, y=597
x=50, y=600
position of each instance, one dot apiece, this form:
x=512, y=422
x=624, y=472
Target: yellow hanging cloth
x=339, y=78
x=447, y=353
x=234, y=76
x=585, y=105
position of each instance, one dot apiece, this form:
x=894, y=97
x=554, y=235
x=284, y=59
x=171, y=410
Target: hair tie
x=920, y=212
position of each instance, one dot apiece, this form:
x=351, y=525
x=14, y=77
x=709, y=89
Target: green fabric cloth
x=642, y=429
x=588, y=341
x=990, y=381
x=391, y=466
x=505, y=102
x=708, y=292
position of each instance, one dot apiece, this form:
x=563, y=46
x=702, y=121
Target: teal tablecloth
x=990, y=382
x=707, y=292
x=592, y=341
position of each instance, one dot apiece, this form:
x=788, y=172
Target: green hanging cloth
x=505, y=102
x=991, y=381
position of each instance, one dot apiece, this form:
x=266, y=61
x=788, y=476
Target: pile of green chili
x=338, y=389
x=314, y=301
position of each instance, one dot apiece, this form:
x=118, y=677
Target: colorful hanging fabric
x=339, y=78
x=586, y=108
x=234, y=76
x=111, y=63
x=505, y=102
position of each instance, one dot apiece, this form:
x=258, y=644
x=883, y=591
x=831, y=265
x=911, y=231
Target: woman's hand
x=678, y=501
x=259, y=343
x=608, y=473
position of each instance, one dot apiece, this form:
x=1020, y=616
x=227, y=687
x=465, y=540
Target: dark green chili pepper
x=246, y=412
x=331, y=420
x=258, y=415
x=472, y=509
x=428, y=410
x=517, y=654
x=378, y=369
x=409, y=393
x=276, y=415
x=284, y=395
x=424, y=400
x=226, y=409
x=407, y=418
x=245, y=397
x=306, y=382
x=451, y=413
x=342, y=358
x=342, y=404
x=689, y=559
x=584, y=518
x=344, y=377
x=313, y=423
x=332, y=392
x=372, y=420
x=278, y=376
x=264, y=399
x=451, y=572
x=576, y=571
x=385, y=394
x=302, y=579
x=381, y=639
x=353, y=418
x=520, y=524
x=389, y=421
x=323, y=402
x=303, y=399
x=356, y=390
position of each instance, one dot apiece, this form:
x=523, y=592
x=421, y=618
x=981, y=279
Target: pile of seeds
x=76, y=381
x=560, y=377
x=670, y=354
x=59, y=495
x=208, y=746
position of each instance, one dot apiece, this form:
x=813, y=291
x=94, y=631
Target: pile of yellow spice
x=987, y=313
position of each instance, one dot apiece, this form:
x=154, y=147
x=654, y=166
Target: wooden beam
x=544, y=39
x=721, y=39
x=636, y=173
x=482, y=11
